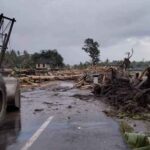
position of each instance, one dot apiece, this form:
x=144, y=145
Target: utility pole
x=5, y=35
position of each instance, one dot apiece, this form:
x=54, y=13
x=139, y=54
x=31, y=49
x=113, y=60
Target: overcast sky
x=118, y=26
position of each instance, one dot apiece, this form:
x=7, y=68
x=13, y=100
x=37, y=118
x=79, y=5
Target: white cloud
x=141, y=48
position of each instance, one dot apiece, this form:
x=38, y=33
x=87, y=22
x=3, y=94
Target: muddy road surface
x=58, y=117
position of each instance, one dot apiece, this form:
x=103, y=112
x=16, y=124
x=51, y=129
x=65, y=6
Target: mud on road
x=78, y=121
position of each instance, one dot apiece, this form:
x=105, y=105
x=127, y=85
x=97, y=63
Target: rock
x=48, y=103
x=39, y=109
x=69, y=106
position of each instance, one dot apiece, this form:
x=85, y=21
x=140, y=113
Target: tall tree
x=91, y=47
x=26, y=61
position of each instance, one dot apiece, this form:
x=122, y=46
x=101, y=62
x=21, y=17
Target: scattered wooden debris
x=35, y=80
x=127, y=94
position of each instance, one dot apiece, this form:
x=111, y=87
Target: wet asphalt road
x=76, y=123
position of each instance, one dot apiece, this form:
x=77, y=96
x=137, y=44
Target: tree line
x=134, y=64
x=25, y=60
x=16, y=59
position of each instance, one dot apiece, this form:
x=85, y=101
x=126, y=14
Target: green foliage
x=14, y=59
x=134, y=64
x=52, y=56
x=91, y=47
x=136, y=141
x=81, y=65
x=140, y=64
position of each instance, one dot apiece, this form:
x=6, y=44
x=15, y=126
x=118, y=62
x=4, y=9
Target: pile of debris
x=126, y=93
x=86, y=79
x=125, y=98
x=34, y=80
